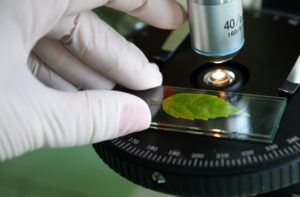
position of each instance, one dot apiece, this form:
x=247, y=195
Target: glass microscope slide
x=214, y=113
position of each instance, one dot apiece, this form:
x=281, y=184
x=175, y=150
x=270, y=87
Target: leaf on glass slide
x=198, y=106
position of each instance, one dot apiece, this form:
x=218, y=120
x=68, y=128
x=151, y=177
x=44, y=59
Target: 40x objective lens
x=217, y=29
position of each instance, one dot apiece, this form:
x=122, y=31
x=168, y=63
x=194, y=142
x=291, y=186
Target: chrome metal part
x=217, y=29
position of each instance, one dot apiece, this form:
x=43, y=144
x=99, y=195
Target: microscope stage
x=197, y=165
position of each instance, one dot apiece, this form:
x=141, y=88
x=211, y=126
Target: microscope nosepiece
x=217, y=29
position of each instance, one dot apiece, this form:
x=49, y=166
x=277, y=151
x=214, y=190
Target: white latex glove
x=75, y=48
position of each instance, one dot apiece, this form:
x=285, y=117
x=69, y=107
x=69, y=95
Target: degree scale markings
x=179, y=162
x=281, y=153
x=200, y=163
x=146, y=153
x=255, y=159
x=278, y=152
x=189, y=163
x=295, y=147
x=158, y=158
x=128, y=148
x=290, y=149
x=150, y=155
x=154, y=157
x=286, y=151
x=272, y=153
x=249, y=159
x=207, y=163
x=141, y=153
x=194, y=162
x=184, y=162
x=211, y=163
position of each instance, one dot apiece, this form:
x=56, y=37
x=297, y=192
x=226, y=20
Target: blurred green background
x=62, y=173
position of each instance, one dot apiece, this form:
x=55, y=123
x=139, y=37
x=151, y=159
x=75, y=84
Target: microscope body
x=216, y=28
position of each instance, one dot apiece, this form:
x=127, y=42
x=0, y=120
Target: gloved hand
x=64, y=45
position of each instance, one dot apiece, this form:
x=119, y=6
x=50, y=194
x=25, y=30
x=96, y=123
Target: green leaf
x=198, y=106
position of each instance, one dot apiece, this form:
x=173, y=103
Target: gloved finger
x=167, y=14
x=77, y=6
x=92, y=116
x=48, y=76
x=104, y=50
x=69, y=67
x=36, y=116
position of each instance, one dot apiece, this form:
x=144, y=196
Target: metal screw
x=158, y=178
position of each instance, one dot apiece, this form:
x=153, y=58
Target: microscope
x=180, y=157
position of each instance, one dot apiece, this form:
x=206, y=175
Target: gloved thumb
x=92, y=116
